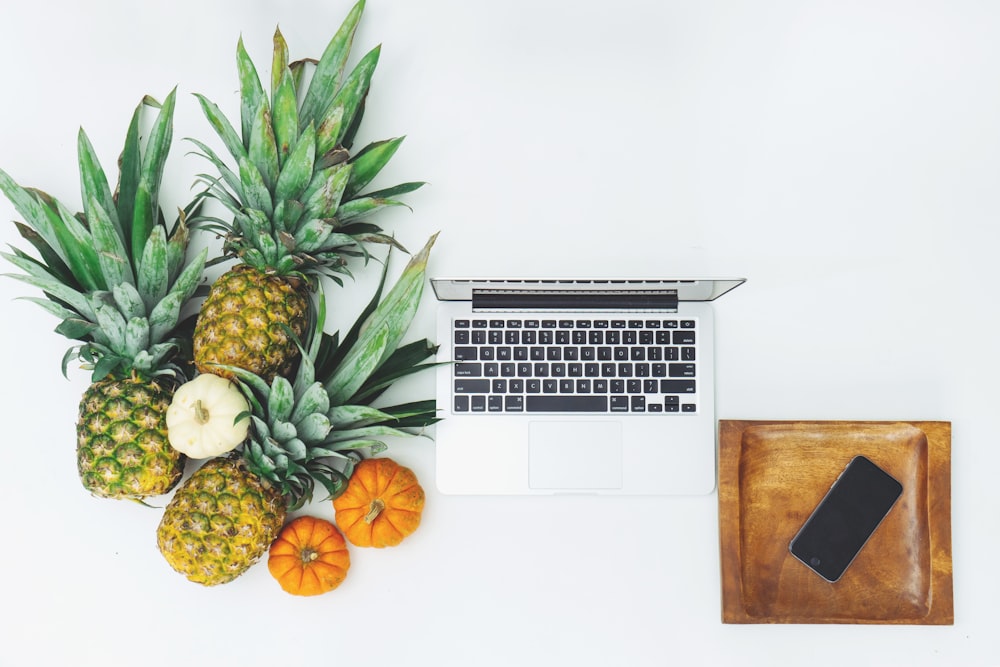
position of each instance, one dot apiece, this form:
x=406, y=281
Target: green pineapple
x=297, y=201
x=117, y=278
x=306, y=430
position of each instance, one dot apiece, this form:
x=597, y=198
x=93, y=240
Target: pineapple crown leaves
x=295, y=192
x=114, y=275
x=302, y=432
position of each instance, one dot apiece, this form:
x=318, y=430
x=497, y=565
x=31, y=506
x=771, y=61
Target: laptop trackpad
x=575, y=455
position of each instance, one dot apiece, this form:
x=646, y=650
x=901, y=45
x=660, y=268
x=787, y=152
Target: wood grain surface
x=771, y=477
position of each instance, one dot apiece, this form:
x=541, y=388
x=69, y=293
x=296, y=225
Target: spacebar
x=566, y=404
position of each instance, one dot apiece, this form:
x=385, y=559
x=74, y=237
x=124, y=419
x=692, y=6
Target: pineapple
x=117, y=279
x=296, y=199
x=306, y=430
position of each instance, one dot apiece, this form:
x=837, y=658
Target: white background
x=842, y=156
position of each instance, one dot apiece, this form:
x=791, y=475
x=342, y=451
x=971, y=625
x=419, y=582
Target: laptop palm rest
x=575, y=455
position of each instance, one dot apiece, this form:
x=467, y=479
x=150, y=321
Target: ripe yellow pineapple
x=117, y=278
x=295, y=195
x=313, y=428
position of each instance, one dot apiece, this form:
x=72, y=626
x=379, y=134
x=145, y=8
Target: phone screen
x=847, y=516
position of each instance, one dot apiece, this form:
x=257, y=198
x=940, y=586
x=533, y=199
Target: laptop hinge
x=574, y=300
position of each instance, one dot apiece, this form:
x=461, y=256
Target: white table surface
x=843, y=157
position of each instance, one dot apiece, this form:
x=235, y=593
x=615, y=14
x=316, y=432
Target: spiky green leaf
x=369, y=161
x=285, y=116
x=297, y=172
x=109, y=245
x=382, y=331
x=326, y=79
x=254, y=188
x=129, y=173
x=281, y=400
x=263, y=151
x=94, y=185
x=146, y=210
x=252, y=98
x=154, y=268
x=222, y=127
x=128, y=300
x=313, y=400
x=350, y=99
x=323, y=196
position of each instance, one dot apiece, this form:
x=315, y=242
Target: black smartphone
x=847, y=516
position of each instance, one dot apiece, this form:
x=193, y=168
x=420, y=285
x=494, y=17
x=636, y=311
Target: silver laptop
x=576, y=386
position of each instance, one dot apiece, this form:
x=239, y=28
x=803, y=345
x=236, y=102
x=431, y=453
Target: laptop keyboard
x=575, y=365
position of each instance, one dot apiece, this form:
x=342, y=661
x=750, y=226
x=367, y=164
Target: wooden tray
x=772, y=474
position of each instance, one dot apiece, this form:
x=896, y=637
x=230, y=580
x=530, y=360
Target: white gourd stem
x=200, y=413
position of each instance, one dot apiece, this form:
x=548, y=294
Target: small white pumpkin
x=201, y=419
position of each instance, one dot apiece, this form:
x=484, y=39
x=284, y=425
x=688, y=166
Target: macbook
x=576, y=386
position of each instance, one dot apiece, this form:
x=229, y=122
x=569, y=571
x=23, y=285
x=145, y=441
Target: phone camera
x=814, y=561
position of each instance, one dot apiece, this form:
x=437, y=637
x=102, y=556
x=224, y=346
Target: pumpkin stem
x=308, y=555
x=374, y=510
x=200, y=413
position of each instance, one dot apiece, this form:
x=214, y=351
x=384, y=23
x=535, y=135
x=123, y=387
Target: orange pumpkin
x=309, y=557
x=381, y=505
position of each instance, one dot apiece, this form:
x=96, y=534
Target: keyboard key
x=494, y=403
x=466, y=386
x=590, y=403
x=468, y=370
x=689, y=407
x=513, y=403
x=466, y=354
x=682, y=370
x=478, y=403
x=619, y=404
x=677, y=386
x=687, y=353
x=461, y=404
x=683, y=338
x=638, y=404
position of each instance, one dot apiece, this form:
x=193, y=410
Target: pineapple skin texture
x=122, y=447
x=242, y=323
x=219, y=522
